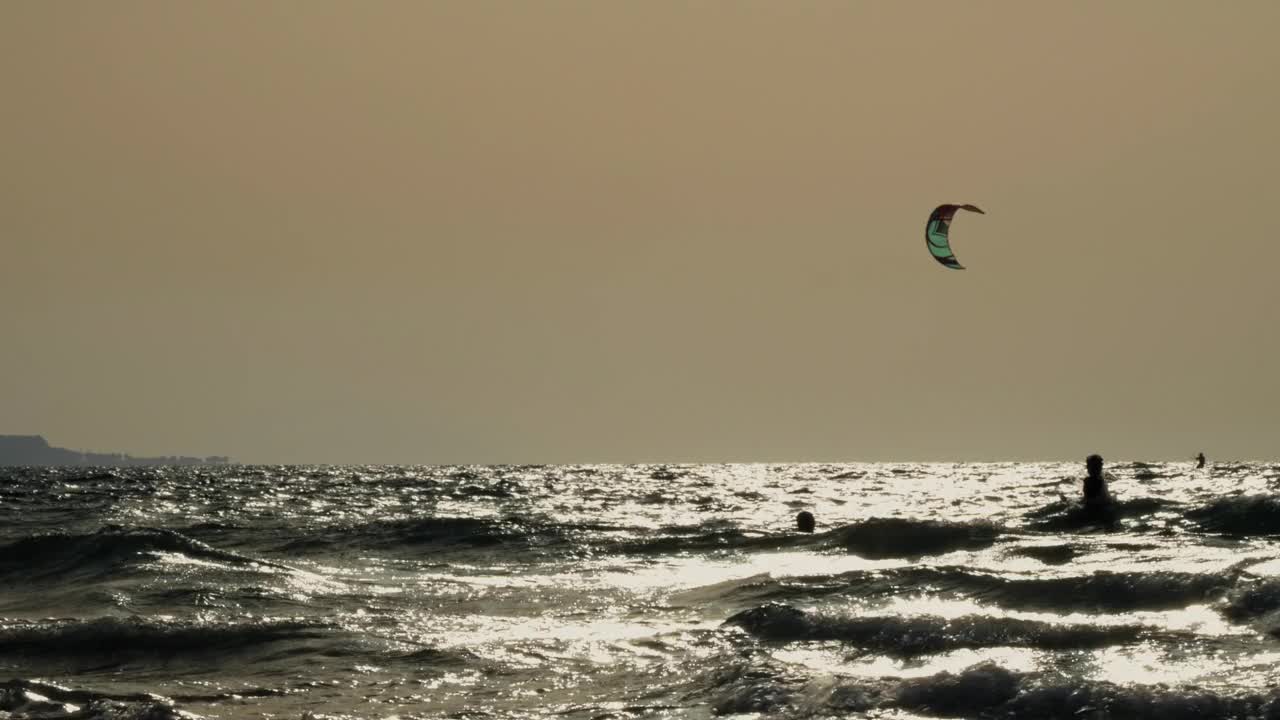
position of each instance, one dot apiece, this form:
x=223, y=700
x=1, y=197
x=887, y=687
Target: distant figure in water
x=1095, y=485
x=1199, y=460
x=805, y=522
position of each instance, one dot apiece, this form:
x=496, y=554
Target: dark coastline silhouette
x=35, y=450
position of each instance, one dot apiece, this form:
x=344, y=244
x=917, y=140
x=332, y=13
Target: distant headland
x=35, y=450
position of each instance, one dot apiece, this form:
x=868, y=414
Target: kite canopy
x=935, y=233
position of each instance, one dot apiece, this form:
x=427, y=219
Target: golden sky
x=589, y=231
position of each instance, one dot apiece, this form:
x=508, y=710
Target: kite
x=935, y=233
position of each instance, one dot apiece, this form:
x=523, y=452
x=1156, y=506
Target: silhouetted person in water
x=1199, y=460
x=805, y=522
x=1095, y=485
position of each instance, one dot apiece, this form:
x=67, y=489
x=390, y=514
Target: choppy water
x=929, y=590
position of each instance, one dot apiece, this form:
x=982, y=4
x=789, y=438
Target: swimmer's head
x=1093, y=464
x=805, y=522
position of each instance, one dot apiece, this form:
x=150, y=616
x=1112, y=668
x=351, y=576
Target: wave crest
x=1240, y=515
x=57, y=555
x=912, y=636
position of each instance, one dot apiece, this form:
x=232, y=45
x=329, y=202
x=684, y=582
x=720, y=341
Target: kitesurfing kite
x=935, y=233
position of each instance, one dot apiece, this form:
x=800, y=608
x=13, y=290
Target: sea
x=593, y=592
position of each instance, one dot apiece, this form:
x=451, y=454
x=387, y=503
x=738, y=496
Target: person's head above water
x=805, y=522
x=1093, y=464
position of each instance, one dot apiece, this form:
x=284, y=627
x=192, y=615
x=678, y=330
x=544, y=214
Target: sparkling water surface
x=928, y=590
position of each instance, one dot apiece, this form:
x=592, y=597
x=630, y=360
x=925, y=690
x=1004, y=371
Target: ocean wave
x=29, y=699
x=1240, y=515
x=987, y=690
x=873, y=538
x=975, y=690
x=419, y=535
x=1099, y=592
x=711, y=539
x=1252, y=600
x=1102, y=591
x=1058, y=700
x=764, y=587
x=1069, y=515
x=908, y=538
x=451, y=534
x=919, y=635
x=437, y=658
x=58, y=555
x=757, y=684
x=746, y=686
x=500, y=489
x=109, y=642
x=1049, y=554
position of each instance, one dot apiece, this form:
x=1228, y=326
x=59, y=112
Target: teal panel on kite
x=936, y=233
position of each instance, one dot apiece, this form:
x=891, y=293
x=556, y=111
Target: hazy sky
x=640, y=231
